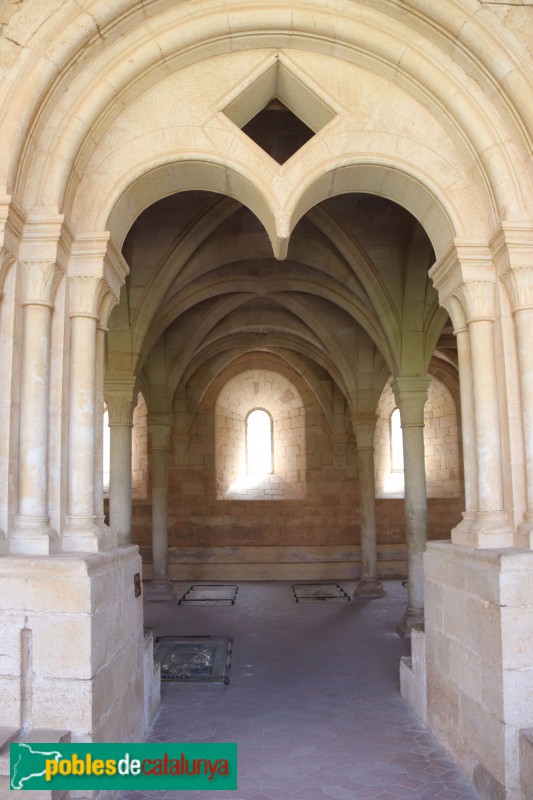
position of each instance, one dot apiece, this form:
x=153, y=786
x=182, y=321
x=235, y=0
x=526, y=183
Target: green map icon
x=28, y=763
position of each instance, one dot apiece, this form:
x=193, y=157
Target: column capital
x=411, y=394
x=120, y=397
x=40, y=280
x=87, y=294
x=477, y=299
x=519, y=285
x=6, y=261
x=453, y=306
x=364, y=426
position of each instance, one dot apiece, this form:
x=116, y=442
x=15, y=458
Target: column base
x=411, y=617
x=159, y=591
x=488, y=529
x=33, y=536
x=370, y=588
x=84, y=535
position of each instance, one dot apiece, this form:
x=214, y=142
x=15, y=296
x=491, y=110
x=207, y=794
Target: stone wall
x=303, y=521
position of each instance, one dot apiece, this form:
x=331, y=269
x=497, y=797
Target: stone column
x=491, y=528
x=32, y=533
x=369, y=584
x=159, y=428
x=120, y=405
x=411, y=395
x=6, y=263
x=460, y=534
x=83, y=533
x=101, y=332
x=519, y=284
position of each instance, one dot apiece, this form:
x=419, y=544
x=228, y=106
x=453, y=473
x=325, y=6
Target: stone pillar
x=83, y=533
x=491, y=527
x=460, y=534
x=411, y=395
x=159, y=428
x=120, y=405
x=369, y=584
x=32, y=532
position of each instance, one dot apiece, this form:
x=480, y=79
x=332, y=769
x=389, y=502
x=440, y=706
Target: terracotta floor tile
x=313, y=701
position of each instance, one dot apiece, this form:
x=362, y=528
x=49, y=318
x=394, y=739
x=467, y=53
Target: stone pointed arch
x=401, y=183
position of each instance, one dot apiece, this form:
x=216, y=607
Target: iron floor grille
x=194, y=658
x=316, y=592
x=210, y=594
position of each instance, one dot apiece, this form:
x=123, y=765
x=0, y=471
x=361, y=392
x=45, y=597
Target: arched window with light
x=259, y=442
x=396, y=441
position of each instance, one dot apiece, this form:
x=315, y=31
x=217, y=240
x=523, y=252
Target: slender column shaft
x=160, y=513
x=524, y=326
x=462, y=533
x=369, y=584
x=490, y=488
x=415, y=513
x=491, y=527
x=468, y=420
x=82, y=420
x=99, y=427
x=512, y=247
x=84, y=531
x=159, y=435
x=120, y=480
x=32, y=533
x=33, y=435
x=411, y=395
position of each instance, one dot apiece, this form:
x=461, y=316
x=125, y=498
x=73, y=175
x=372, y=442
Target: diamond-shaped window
x=278, y=110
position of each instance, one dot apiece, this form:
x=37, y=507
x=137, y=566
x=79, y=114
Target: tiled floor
x=313, y=701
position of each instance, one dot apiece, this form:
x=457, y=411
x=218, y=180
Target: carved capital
x=6, y=261
x=40, y=280
x=519, y=286
x=457, y=314
x=120, y=408
x=86, y=295
x=477, y=300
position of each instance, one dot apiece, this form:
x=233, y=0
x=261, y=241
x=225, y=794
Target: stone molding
x=464, y=262
x=364, y=427
x=411, y=394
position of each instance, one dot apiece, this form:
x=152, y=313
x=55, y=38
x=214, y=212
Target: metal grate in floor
x=313, y=592
x=199, y=594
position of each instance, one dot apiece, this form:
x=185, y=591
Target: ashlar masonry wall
x=300, y=522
